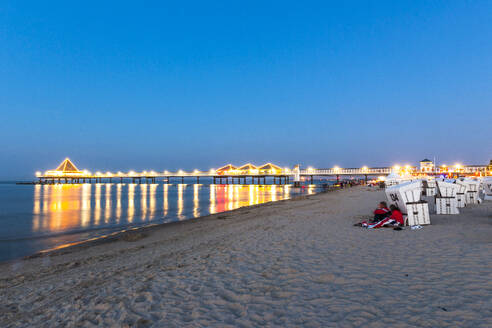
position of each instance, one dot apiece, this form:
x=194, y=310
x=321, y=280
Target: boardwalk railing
x=349, y=171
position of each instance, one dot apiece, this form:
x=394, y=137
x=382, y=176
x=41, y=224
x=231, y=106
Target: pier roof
x=270, y=166
x=67, y=167
x=227, y=167
x=248, y=166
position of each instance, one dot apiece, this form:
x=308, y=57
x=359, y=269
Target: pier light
x=166, y=172
x=98, y=173
x=131, y=173
x=364, y=169
x=152, y=173
x=144, y=172
x=286, y=170
x=38, y=173
x=212, y=171
x=86, y=172
x=109, y=174
x=180, y=171
x=336, y=168
x=120, y=173
x=396, y=167
x=196, y=171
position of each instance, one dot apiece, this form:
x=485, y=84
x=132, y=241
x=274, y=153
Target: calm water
x=39, y=217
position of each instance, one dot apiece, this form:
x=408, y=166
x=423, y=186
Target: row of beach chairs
x=418, y=198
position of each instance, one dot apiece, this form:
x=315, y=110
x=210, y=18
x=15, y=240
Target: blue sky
x=194, y=84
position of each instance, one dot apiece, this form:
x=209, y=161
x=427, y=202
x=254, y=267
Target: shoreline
x=297, y=262
x=125, y=232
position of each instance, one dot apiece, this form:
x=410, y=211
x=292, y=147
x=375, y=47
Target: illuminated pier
x=67, y=172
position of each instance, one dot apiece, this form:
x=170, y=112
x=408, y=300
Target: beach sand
x=295, y=263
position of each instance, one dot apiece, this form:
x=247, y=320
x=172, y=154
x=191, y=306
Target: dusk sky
x=198, y=84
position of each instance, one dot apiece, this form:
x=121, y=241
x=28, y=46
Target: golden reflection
x=118, y=202
x=45, y=200
x=85, y=214
x=37, y=207
x=64, y=207
x=97, y=204
x=251, y=198
x=165, y=204
x=67, y=207
x=273, y=193
x=153, y=188
x=37, y=199
x=286, y=191
x=236, y=196
x=131, y=202
x=143, y=200
x=181, y=188
x=311, y=189
x=196, y=208
x=212, y=199
x=230, y=199
x=107, y=203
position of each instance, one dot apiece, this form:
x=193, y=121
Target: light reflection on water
x=51, y=215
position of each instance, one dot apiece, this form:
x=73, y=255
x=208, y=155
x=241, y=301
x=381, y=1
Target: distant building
x=475, y=169
x=426, y=165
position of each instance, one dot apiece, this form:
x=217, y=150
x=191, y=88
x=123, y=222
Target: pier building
x=67, y=172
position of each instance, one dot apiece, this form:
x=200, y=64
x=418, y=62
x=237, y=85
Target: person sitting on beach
x=394, y=220
x=381, y=212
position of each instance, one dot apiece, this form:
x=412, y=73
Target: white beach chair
x=408, y=197
x=446, y=202
x=461, y=194
x=487, y=188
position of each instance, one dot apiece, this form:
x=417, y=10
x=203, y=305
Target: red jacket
x=383, y=210
x=397, y=216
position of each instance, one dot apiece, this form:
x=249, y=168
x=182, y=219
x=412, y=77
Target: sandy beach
x=295, y=263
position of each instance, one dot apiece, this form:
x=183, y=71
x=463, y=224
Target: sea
x=36, y=218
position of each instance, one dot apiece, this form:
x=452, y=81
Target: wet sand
x=291, y=263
